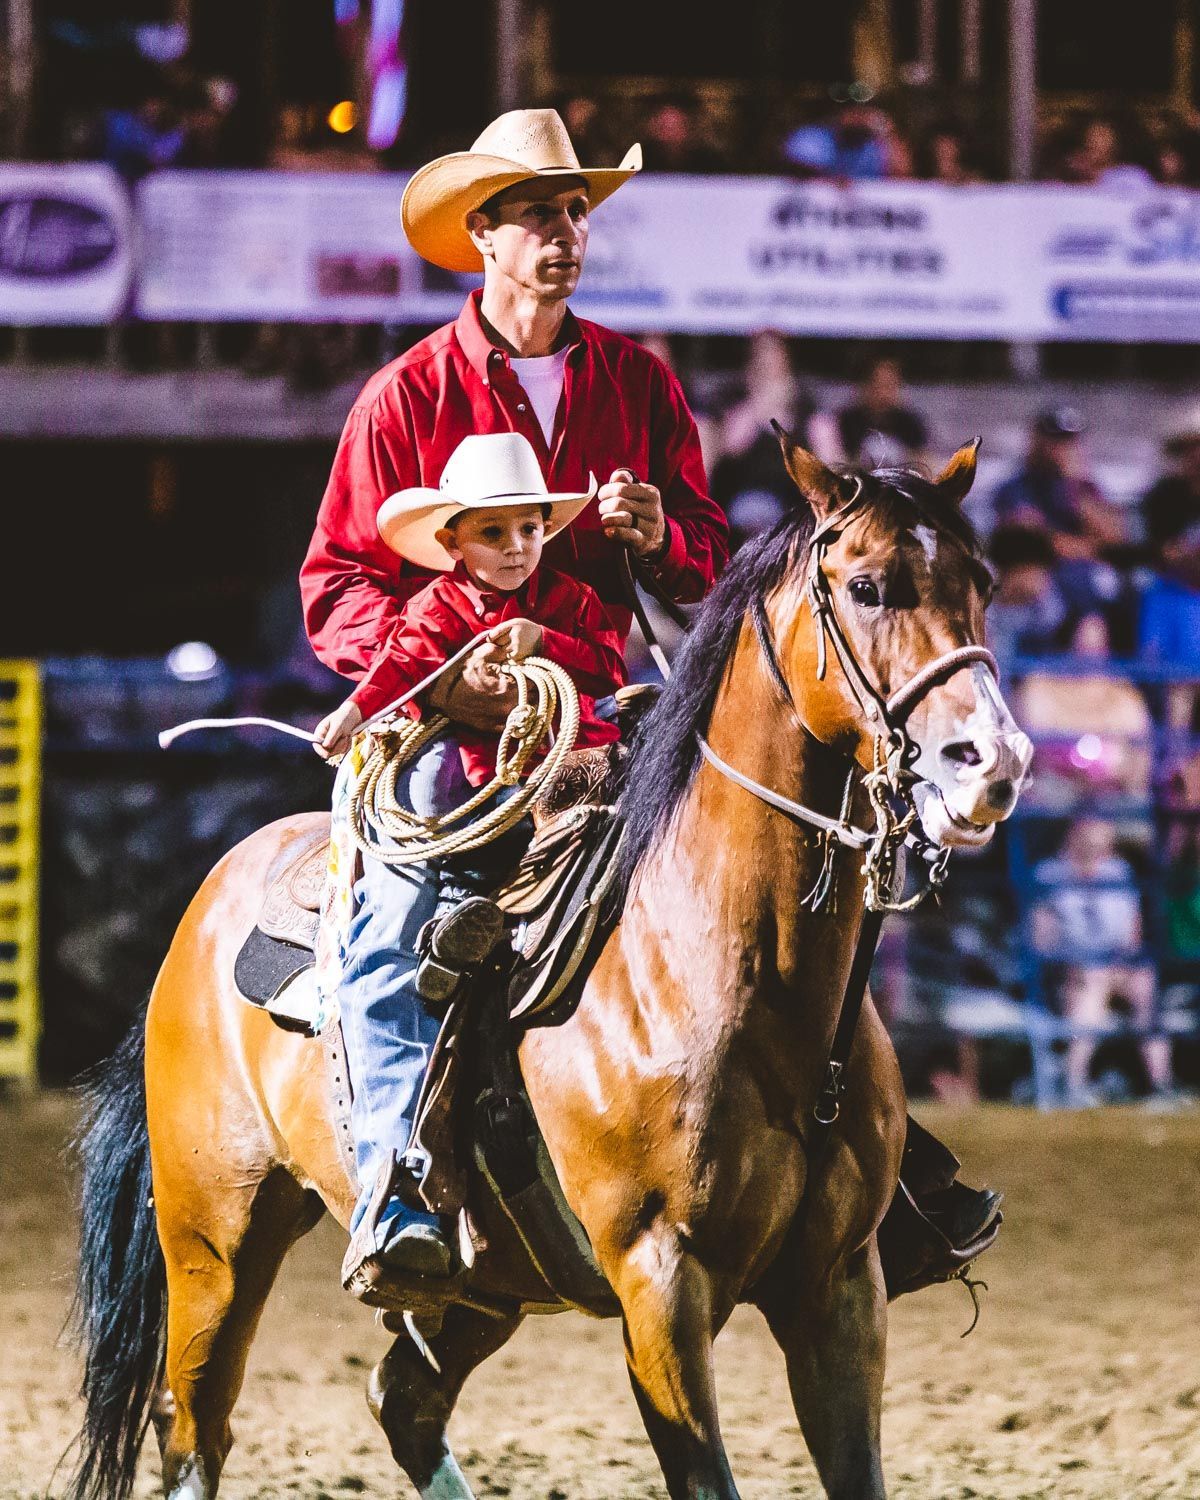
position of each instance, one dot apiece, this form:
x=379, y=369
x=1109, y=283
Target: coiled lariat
x=544, y=691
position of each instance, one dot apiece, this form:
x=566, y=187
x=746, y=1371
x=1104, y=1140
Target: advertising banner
x=290, y=246
x=66, y=244
x=672, y=254
x=1114, y=268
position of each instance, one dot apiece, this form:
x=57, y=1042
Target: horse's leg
x=667, y=1301
x=833, y=1337
x=222, y=1251
x=412, y=1401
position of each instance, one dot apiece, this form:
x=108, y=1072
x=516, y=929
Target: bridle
x=890, y=782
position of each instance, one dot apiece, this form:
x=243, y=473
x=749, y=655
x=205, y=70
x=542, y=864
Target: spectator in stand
x=1050, y=495
x=748, y=477
x=1094, y=152
x=584, y=119
x=144, y=138
x=852, y=145
x=1169, y=622
x=946, y=156
x=1094, y=727
x=900, y=155
x=1169, y=160
x=673, y=138
x=1091, y=913
x=1027, y=611
x=208, y=108
x=879, y=428
x=1171, y=508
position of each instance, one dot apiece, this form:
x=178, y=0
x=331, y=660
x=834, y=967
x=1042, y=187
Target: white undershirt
x=542, y=381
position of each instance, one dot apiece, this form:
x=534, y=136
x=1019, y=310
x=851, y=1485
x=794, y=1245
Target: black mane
x=665, y=756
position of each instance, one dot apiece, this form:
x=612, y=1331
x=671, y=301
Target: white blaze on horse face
x=927, y=537
x=973, y=760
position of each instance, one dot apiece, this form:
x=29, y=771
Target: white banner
x=1115, y=268
x=65, y=244
x=293, y=246
x=712, y=254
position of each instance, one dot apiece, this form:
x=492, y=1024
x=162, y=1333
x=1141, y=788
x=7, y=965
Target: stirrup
x=454, y=943
x=421, y=1251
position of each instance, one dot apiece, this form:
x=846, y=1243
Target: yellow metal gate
x=20, y=778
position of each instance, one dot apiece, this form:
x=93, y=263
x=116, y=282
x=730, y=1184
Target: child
x=490, y=536
x=484, y=527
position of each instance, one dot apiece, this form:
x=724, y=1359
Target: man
x=515, y=205
x=1049, y=495
x=1172, y=506
x=878, y=428
x=1169, y=618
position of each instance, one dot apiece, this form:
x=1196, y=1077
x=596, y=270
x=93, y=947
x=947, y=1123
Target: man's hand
x=517, y=639
x=336, y=730
x=633, y=513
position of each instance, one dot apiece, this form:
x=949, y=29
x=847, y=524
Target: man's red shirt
x=448, y=612
x=621, y=408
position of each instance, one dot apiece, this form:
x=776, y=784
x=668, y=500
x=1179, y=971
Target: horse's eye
x=864, y=592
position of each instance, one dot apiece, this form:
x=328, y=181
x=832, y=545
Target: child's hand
x=336, y=730
x=518, y=638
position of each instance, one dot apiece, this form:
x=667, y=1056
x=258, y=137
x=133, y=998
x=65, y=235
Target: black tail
x=121, y=1290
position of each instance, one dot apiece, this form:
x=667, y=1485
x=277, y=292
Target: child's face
x=499, y=547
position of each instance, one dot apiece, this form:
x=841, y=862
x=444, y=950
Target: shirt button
x=520, y=406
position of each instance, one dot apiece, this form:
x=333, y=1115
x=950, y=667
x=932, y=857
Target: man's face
x=499, y=546
x=536, y=236
x=882, y=389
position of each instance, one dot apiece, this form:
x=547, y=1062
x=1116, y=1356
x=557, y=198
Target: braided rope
x=544, y=690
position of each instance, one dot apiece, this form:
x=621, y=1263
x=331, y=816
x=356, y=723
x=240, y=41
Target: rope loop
x=544, y=691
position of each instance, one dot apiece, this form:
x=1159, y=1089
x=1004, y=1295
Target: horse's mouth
x=943, y=825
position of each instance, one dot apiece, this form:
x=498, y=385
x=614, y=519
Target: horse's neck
x=734, y=873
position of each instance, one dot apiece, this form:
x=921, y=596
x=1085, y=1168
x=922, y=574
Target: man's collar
x=482, y=354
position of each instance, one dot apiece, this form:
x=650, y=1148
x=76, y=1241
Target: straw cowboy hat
x=522, y=144
x=484, y=471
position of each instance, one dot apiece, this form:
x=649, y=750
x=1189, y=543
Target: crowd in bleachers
x=133, y=96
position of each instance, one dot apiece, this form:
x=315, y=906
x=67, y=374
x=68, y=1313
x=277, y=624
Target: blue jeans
x=388, y=1029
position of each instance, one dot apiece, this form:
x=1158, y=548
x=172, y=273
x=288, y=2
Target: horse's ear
x=821, y=487
x=956, y=479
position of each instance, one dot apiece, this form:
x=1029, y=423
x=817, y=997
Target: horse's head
x=892, y=639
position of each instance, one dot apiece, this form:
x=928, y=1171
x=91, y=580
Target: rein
x=889, y=783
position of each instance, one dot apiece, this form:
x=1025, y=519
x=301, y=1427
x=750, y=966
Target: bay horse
x=676, y=1099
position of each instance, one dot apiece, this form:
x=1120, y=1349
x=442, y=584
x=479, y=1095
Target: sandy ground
x=1083, y=1378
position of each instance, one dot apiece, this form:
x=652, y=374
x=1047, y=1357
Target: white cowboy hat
x=484, y=471
x=522, y=144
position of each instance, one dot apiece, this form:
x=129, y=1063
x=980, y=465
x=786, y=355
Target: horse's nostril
x=1001, y=794
x=962, y=753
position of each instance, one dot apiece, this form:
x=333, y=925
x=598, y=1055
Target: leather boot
x=455, y=943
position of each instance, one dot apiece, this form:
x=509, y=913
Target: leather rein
x=891, y=778
x=889, y=784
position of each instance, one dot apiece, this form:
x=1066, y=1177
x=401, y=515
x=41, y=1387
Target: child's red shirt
x=577, y=633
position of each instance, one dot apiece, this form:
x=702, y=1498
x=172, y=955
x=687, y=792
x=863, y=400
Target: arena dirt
x=1083, y=1378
